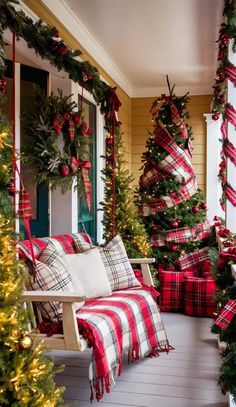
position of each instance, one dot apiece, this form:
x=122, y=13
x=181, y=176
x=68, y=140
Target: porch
x=186, y=377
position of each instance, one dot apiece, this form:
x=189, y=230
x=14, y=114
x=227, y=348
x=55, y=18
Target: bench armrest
x=146, y=273
x=142, y=260
x=60, y=296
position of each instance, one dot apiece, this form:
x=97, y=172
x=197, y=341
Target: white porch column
x=231, y=168
x=64, y=207
x=213, y=186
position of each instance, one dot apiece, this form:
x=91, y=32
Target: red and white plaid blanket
x=226, y=315
x=128, y=322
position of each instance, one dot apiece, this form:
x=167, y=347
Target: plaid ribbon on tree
x=182, y=235
x=192, y=260
x=151, y=176
x=226, y=315
x=164, y=139
x=171, y=167
x=171, y=200
x=176, y=119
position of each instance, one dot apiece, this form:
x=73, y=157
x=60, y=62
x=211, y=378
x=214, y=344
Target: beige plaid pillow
x=117, y=265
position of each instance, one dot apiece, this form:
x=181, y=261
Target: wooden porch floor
x=187, y=377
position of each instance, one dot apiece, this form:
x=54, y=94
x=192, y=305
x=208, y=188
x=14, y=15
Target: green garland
x=47, y=118
x=46, y=42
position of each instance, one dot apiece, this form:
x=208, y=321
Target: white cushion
x=88, y=273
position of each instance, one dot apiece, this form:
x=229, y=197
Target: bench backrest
x=66, y=241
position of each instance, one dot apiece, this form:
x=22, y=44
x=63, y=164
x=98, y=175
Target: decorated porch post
x=231, y=167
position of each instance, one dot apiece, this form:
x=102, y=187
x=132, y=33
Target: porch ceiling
x=146, y=39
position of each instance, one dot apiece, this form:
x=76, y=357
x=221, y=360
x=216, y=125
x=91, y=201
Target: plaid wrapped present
x=192, y=261
x=226, y=315
x=198, y=297
x=172, y=289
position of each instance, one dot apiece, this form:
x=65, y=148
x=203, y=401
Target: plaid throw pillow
x=82, y=242
x=117, y=265
x=198, y=298
x=172, y=290
x=51, y=274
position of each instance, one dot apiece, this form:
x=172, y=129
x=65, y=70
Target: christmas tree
x=26, y=376
x=127, y=222
x=173, y=208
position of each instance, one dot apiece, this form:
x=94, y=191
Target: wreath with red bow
x=57, y=141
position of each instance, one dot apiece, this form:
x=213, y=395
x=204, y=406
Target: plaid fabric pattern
x=151, y=176
x=181, y=159
x=87, y=187
x=69, y=243
x=182, y=235
x=117, y=265
x=51, y=274
x=170, y=166
x=226, y=315
x=172, y=290
x=198, y=297
x=171, y=200
x=192, y=260
x=126, y=322
x=24, y=210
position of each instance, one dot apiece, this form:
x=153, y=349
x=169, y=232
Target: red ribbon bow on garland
x=60, y=120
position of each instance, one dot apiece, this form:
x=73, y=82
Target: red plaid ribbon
x=180, y=158
x=229, y=151
x=24, y=210
x=182, y=235
x=226, y=315
x=87, y=187
x=171, y=200
x=230, y=114
x=59, y=122
x=230, y=193
x=230, y=72
x=151, y=176
x=191, y=260
x=177, y=119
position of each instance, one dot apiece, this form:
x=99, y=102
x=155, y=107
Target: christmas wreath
x=57, y=140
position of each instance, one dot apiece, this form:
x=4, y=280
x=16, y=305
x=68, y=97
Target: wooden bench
x=71, y=338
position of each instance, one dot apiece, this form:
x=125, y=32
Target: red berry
x=215, y=116
x=109, y=141
x=175, y=223
x=155, y=227
x=64, y=170
x=174, y=248
x=195, y=209
x=203, y=205
x=222, y=100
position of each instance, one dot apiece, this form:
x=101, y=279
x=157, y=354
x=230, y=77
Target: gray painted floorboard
x=186, y=377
